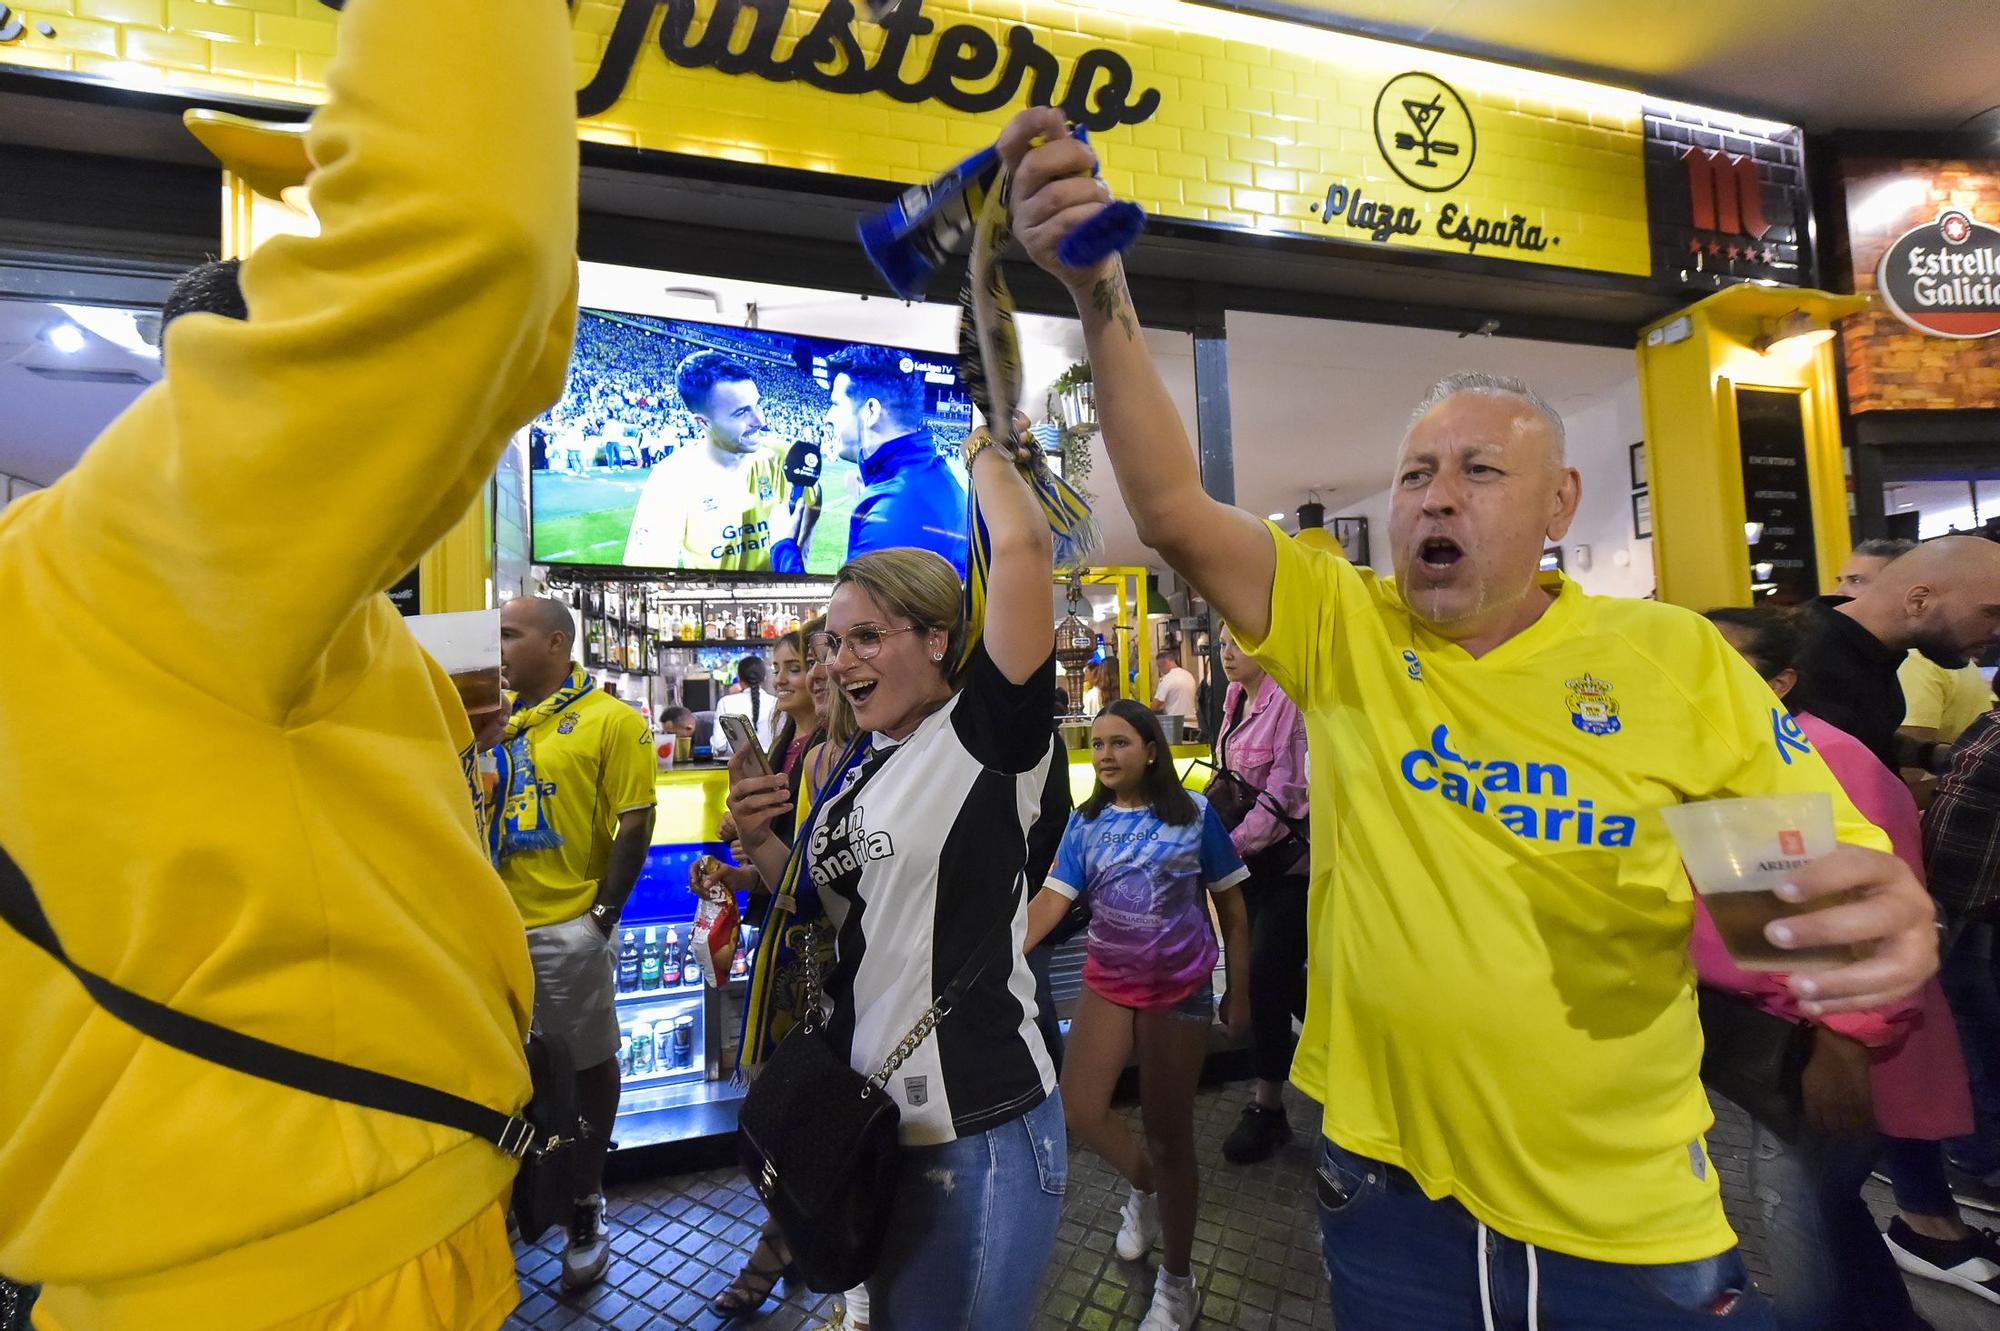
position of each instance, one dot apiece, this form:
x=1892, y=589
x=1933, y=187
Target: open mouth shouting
x=859, y=691
x=1438, y=555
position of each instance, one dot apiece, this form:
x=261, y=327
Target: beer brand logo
x=1726, y=198
x=1414, y=667
x=567, y=724
x=1943, y=278
x=1791, y=842
x=1425, y=131
x=1592, y=709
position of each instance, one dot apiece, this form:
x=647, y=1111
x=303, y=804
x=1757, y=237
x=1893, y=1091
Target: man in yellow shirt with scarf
x=308, y=872
x=570, y=834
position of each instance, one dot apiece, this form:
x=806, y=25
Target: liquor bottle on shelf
x=792, y=625
x=710, y=626
x=690, y=625
x=753, y=624
x=770, y=628
x=628, y=963
x=649, y=960
x=732, y=625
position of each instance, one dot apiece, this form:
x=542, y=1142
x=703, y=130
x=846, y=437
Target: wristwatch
x=604, y=917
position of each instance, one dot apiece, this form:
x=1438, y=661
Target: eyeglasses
x=866, y=642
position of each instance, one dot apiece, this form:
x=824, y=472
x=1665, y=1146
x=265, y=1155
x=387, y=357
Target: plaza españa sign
x=1202, y=114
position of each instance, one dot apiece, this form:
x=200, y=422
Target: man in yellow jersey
x=723, y=502
x=305, y=869
x=570, y=834
x=1501, y=1021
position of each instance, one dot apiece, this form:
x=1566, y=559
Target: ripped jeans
x=972, y=1228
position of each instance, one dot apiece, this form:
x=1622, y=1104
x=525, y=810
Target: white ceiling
x=45, y=422
x=1823, y=64
x=1318, y=404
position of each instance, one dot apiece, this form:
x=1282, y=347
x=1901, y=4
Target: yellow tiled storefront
x=1257, y=119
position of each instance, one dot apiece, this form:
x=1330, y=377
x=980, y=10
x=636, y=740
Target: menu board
x=1777, y=495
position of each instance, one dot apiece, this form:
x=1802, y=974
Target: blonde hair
x=839, y=723
x=918, y=585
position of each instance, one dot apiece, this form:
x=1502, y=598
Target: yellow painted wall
x=1694, y=463
x=1257, y=117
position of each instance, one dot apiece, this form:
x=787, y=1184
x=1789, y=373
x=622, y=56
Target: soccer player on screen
x=913, y=498
x=722, y=502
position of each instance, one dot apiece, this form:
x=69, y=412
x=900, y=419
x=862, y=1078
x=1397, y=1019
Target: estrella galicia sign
x=1943, y=278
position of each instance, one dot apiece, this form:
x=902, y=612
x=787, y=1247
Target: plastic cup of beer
x=1738, y=853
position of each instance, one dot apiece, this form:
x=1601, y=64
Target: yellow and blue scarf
x=989, y=363
x=796, y=932
x=519, y=824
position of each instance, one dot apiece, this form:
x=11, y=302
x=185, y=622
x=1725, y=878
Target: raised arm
x=1222, y=550
x=291, y=466
x=1019, y=632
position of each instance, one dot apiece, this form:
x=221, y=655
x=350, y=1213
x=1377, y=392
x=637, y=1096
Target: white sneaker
x=1139, y=1229
x=588, y=1251
x=1176, y=1303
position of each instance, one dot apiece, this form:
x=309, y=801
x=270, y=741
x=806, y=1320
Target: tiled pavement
x=678, y=1241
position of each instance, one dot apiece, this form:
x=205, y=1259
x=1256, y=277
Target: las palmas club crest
x=1592, y=709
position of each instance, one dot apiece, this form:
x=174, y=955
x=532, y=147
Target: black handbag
x=819, y=1141
x=1754, y=1059
x=542, y=1137
x=1233, y=798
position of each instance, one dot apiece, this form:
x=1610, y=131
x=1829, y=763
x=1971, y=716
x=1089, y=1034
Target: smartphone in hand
x=743, y=739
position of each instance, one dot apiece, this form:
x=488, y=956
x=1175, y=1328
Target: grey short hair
x=1478, y=381
x=1884, y=547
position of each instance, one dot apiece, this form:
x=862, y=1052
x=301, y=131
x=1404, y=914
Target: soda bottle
x=649, y=963
x=690, y=968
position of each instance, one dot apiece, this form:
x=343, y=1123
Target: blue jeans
x=972, y=1227
x=1396, y=1260
x=1834, y=1271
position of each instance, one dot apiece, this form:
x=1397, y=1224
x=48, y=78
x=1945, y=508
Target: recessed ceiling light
x=66, y=338
x=1277, y=517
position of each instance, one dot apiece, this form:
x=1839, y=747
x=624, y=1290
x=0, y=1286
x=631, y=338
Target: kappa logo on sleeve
x=1787, y=735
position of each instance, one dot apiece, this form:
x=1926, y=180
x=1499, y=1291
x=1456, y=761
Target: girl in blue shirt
x=1144, y=849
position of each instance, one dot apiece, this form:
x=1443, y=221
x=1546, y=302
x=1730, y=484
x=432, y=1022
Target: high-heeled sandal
x=751, y=1290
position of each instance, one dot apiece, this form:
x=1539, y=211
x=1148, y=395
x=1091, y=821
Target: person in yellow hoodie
x=305, y=870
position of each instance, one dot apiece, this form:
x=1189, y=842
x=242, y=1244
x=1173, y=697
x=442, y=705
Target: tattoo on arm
x=1112, y=301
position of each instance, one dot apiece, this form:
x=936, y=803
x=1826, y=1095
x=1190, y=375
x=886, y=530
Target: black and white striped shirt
x=918, y=857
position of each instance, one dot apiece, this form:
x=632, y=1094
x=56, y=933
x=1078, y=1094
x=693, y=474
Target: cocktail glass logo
x=1791, y=842
x=1425, y=132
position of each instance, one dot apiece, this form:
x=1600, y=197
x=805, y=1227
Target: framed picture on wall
x=1638, y=455
x=1642, y=516
x=1352, y=533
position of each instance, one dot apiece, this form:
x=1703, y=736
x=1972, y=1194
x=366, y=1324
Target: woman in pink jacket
x=1890, y=1072
x=1264, y=744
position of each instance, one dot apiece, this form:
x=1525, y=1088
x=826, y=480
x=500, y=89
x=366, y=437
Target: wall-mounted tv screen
x=705, y=448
